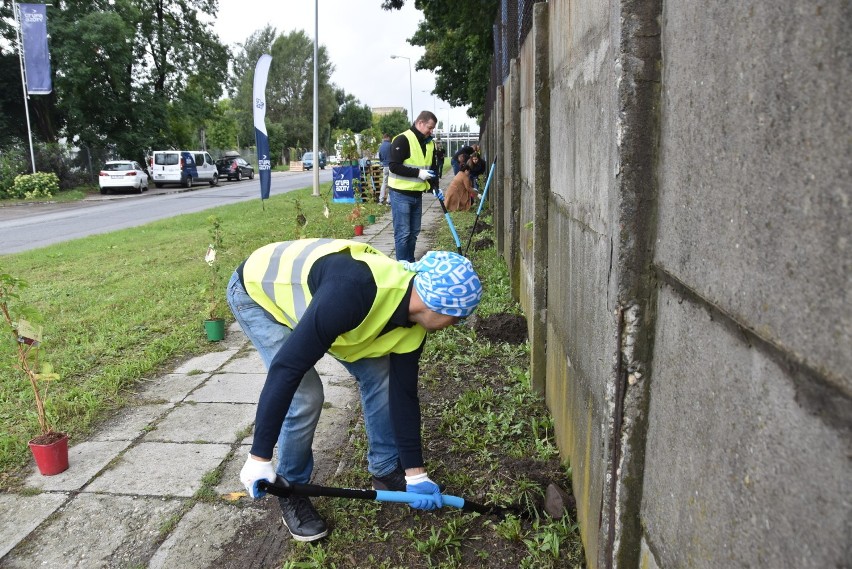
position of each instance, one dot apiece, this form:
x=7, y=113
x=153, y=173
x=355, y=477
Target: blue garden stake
x=479, y=209
x=440, y=195
x=284, y=489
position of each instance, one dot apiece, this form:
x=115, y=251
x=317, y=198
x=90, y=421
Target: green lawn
x=120, y=307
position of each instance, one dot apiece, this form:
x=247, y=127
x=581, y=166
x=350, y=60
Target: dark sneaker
x=301, y=519
x=395, y=481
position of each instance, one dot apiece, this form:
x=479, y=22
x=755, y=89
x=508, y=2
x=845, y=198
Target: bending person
x=297, y=300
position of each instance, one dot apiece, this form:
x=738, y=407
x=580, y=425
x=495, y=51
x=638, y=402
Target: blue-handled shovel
x=440, y=195
x=479, y=209
x=284, y=489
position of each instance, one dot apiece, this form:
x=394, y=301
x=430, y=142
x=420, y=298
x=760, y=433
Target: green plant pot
x=371, y=219
x=215, y=329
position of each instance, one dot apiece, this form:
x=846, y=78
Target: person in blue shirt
x=384, y=158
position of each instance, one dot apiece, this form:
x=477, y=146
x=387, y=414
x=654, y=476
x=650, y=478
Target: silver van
x=184, y=167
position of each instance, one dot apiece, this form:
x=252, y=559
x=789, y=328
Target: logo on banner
x=259, y=103
x=264, y=163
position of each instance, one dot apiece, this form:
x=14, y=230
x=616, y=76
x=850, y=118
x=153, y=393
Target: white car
x=123, y=175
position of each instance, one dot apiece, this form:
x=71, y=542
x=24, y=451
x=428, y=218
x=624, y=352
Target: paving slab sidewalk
x=127, y=498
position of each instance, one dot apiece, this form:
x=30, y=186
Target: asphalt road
x=25, y=227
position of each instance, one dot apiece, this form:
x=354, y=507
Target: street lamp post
x=410, y=88
x=433, y=99
x=447, y=128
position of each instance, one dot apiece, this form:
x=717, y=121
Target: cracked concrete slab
x=161, y=469
x=207, y=362
x=94, y=531
x=130, y=422
x=172, y=387
x=233, y=387
x=204, y=422
x=19, y=515
x=202, y=534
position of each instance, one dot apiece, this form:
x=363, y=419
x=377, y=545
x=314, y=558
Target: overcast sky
x=360, y=38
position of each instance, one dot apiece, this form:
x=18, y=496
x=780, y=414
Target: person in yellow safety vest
x=412, y=172
x=296, y=301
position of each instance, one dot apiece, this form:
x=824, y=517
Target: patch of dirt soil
x=481, y=226
x=509, y=328
x=483, y=244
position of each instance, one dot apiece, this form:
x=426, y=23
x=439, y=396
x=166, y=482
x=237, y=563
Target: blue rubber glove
x=425, y=174
x=254, y=471
x=420, y=484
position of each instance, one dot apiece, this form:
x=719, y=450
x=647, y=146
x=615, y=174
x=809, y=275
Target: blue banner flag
x=33, y=19
x=264, y=164
x=345, y=178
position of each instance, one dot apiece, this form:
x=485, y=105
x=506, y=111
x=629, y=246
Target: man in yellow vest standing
x=412, y=172
x=297, y=300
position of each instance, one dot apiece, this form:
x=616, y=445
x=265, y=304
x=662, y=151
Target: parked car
x=123, y=175
x=308, y=160
x=234, y=168
x=183, y=167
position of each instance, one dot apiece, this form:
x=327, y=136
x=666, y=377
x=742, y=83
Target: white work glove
x=253, y=471
x=420, y=484
x=425, y=174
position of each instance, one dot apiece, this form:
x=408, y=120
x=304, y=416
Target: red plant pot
x=51, y=458
x=359, y=230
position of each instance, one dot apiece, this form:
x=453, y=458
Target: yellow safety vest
x=276, y=277
x=416, y=159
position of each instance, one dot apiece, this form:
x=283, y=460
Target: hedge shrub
x=38, y=185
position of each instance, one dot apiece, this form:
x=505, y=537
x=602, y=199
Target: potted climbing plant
x=214, y=323
x=49, y=448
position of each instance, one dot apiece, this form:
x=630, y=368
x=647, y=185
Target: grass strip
x=121, y=307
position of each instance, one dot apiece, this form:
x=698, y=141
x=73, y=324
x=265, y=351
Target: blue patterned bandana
x=447, y=283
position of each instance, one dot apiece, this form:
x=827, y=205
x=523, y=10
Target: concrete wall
x=685, y=270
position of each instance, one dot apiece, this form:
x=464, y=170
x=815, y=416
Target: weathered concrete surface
x=740, y=471
x=755, y=193
x=161, y=469
x=535, y=189
x=203, y=535
x=95, y=530
x=699, y=165
x=19, y=515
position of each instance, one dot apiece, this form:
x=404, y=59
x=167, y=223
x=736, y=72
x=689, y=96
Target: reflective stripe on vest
x=276, y=277
x=416, y=159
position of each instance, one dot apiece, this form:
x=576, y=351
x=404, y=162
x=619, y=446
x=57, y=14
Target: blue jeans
x=406, y=211
x=295, y=456
x=455, y=164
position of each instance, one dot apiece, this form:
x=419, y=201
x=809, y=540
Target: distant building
x=382, y=111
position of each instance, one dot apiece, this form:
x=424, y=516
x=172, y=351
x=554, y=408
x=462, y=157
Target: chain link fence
x=511, y=27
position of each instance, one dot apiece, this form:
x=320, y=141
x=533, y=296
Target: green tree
x=95, y=76
x=134, y=74
x=459, y=42
x=354, y=116
x=393, y=123
x=289, y=87
x=224, y=133
x=13, y=125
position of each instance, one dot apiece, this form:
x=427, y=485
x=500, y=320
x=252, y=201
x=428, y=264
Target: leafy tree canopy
x=289, y=88
x=393, y=123
x=458, y=39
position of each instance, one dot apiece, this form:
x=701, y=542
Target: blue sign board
x=344, y=178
